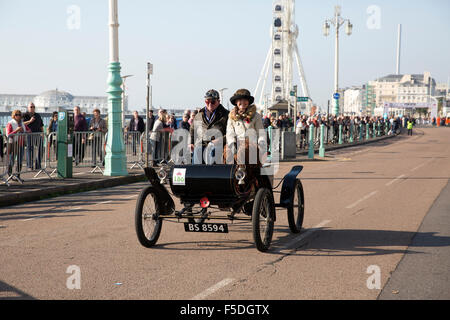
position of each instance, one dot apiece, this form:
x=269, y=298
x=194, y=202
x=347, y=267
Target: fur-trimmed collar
x=247, y=116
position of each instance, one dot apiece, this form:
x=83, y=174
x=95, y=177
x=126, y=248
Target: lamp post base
x=115, y=166
x=115, y=160
x=336, y=107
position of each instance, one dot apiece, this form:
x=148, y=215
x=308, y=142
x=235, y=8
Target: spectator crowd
x=90, y=132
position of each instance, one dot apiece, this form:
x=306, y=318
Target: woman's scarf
x=246, y=115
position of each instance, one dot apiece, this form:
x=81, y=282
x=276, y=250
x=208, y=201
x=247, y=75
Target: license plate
x=206, y=227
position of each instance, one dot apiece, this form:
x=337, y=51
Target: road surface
x=365, y=215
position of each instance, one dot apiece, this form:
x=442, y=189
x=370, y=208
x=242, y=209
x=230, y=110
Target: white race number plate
x=179, y=177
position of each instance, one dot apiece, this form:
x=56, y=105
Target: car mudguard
x=163, y=195
x=287, y=190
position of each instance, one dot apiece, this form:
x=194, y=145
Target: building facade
x=407, y=88
x=55, y=100
x=395, y=93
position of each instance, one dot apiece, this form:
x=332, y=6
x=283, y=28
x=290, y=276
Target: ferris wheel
x=280, y=58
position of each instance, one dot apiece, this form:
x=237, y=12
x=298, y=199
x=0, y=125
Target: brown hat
x=242, y=94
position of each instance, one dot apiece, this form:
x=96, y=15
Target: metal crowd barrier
x=342, y=133
x=158, y=147
x=3, y=159
x=51, y=152
x=89, y=150
x=134, y=148
x=35, y=152
x=23, y=153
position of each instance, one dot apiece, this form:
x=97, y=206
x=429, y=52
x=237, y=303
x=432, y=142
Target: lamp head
x=349, y=28
x=326, y=29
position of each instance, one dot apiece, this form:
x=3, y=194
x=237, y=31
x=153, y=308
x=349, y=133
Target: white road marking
x=131, y=197
x=72, y=209
x=227, y=281
x=421, y=165
x=213, y=289
x=38, y=217
x=392, y=181
x=104, y=202
x=362, y=199
x=304, y=235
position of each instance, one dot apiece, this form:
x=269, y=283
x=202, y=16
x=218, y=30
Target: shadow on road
x=323, y=242
x=8, y=292
x=328, y=242
x=68, y=205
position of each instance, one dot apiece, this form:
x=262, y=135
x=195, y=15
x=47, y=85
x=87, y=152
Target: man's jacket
x=200, y=126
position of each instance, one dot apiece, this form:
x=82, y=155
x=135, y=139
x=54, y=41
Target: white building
x=10, y=102
x=55, y=100
x=396, y=93
x=408, y=88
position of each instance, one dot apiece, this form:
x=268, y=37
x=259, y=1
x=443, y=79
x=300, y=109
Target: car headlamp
x=240, y=175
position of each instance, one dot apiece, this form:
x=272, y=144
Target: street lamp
x=337, y=21
x=115, y=160
x=124, y=78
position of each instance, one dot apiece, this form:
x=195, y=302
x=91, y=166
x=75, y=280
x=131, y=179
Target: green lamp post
x=115, y=160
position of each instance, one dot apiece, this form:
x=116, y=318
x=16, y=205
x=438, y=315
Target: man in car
x=211, y=119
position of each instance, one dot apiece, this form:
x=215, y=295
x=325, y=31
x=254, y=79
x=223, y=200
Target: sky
x=197, y=45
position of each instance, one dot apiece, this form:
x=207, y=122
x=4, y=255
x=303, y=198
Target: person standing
x=192, y=117
x=98, y=126
x=80, y=128
x=171, y=122
x=266, y=120
x=157, y=143
x=88, y=119
x=185, y=122
x=35, y=142
x=151, y=120
x=15, y=144
x=410, y=125
x=136, y=125
x=300, y=127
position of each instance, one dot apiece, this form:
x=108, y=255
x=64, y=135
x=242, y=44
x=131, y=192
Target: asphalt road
x=364, y=215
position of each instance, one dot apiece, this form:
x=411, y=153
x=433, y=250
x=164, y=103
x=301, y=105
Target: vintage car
x=206, y=190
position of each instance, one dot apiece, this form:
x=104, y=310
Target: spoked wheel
x=263, y=219
x=147, y=220
x=297, y=210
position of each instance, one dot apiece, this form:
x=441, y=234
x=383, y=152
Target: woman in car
x=245, y=133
